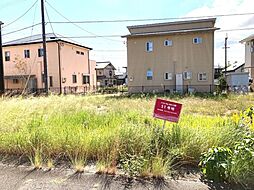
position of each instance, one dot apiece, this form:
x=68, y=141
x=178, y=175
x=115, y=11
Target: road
x=24, y=178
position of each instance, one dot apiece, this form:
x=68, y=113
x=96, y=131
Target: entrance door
x=179, y=83
x=32, y=84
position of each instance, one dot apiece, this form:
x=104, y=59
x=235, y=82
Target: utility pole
x=1, y=62
x=44, y=47
x=226, y=47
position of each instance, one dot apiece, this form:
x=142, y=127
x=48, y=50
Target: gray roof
x=234, y=67
x=169, y=23
x=31, y=39
x=249, y=38
x=172, y=32
x=103, y=65
x=50, y=37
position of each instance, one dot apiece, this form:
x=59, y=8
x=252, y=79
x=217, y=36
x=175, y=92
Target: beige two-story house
x=69, y=66
x=105, y=73
x=249, y=55
x=172, y=56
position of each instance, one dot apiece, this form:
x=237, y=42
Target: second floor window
x=168, y=43
x=74, y=78
x=197, y=40
x=27, y=53
x=7, y=55
x=149, y=46
x=40, y=52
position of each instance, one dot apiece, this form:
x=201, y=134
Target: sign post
x=167, y=110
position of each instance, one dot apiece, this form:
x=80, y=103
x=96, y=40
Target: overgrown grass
x=115, y=131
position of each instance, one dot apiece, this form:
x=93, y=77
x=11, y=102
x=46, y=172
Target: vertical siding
x=182, y=56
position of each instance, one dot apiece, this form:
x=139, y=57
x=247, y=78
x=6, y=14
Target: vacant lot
x=116, y=132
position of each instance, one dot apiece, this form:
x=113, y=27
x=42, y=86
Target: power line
x=67, y=38
x=98, y=36
x=235, y=29
x=21, y=29
x=149, y=19
x=49, y=20
x=33, y=20
x=21, y=15
x=113, y=36
x=111, y=50
x=78, y=25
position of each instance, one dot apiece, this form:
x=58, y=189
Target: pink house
x=69, y=66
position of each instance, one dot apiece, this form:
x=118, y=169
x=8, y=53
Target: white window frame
x=197, y=40
x=169, y=76
x=203, y=76
x=7, y=55
x=168, y=43
x=149, y=74
x=149, y=46
x=187, y=75
x=27, y=53
x=85, y=79
x=40, y=52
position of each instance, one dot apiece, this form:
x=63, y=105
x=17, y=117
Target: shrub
x=242, y=166
x=215, y=163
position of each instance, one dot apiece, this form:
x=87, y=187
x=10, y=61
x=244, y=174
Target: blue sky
x=114, y=49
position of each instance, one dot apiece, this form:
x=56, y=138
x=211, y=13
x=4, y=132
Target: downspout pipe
x=59, y=66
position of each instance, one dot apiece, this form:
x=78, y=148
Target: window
x=187, y=75
x=7, y=56
x=197, y=40
x=82, y=53
x=86, y=79
x=110, y=73
x=50, y=81
x=167, y=76
x=42, y=77
x=202, y=77
x=149, y=46
x=15, y=81
x=40, y=52
x=77, y=52
x=168, y=43
x=27, y=53
x=74, y=78
x=149, y=75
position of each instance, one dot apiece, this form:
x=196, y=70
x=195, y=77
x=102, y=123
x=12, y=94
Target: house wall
x=70, y=63
x=93, y=79
x=32, y=65
x=103, y=76
x=73, y=64
x=249, y=58
x=182, y=56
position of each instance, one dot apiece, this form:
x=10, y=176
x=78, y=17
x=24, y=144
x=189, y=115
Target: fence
x=172, y=89
x=183, y=89
x=66, y=90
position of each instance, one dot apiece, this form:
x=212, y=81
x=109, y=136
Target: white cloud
x=222, y=7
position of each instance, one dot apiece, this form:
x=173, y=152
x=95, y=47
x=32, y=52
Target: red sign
x=167, y=110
